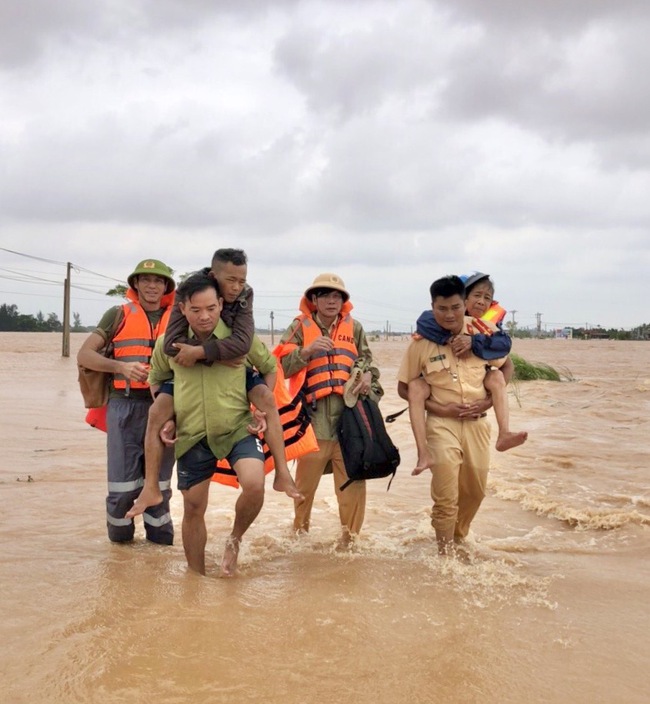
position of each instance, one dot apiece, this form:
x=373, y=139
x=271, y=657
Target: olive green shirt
x=210, y=401
x=325, y=416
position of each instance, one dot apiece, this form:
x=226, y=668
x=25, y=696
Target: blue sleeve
x=493, y=346
x=430, y=330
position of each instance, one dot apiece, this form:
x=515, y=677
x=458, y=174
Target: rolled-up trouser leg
x=126, y=421
x=158, y=519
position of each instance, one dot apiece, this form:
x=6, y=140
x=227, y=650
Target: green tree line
x=11, y=320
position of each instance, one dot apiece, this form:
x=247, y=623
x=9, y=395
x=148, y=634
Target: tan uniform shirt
x=451, y=379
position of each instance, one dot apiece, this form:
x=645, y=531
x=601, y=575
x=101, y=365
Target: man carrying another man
x=212, y=417
x=456, y=428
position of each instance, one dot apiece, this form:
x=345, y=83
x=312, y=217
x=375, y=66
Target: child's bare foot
x=148, y=497
x=283, y=481
x=230, y=555
x=425, y=461
x=507, y=441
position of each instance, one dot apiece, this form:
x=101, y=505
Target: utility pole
x=539, y=323
x=514, y=322
x=65, y=352
x=272, y=332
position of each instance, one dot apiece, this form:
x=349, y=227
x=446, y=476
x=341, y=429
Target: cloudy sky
x=389, y=141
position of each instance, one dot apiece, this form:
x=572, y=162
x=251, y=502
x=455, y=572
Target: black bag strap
x=394, y=416
x=118, y=323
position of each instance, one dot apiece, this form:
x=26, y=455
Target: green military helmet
x=153, y=267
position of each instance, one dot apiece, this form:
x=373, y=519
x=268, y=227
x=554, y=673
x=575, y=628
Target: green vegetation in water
x=529, y=371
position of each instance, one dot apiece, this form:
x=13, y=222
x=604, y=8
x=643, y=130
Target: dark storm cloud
x=26, y=27
x=569, y=70
x=353, y=70
x=556, y=15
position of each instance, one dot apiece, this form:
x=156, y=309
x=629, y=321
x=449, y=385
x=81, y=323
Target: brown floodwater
x=550, y=606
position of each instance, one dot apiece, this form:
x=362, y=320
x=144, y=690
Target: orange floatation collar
x=495, y=313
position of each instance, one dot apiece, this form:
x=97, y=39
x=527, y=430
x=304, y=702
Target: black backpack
x=368, y=452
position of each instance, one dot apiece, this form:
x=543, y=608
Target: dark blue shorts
x=167, y=387
x=199, y=462
x=253, y=378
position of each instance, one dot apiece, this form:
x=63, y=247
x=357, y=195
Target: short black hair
x=232, y=256
x=446, y=287
x=195, y=284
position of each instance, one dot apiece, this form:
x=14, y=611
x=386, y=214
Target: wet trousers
x=126, y=420
x=352, y=501
x=462, y=458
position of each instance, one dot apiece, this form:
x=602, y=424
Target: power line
x=31, y=256
x=78, y=268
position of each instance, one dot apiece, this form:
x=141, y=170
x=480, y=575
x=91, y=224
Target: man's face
x=202, y=311
x=150, y=288
x=479, y=299
x=449, y=312
x=328, y=305
x=231, y=279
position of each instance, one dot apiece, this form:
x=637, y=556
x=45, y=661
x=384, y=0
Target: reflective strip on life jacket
x=135, y=340
x=328, y=373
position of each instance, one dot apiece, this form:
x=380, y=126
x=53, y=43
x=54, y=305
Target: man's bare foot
x=425, y=461
x=507, y=441
x=148, y=497
x=230, y=555
x=346, y=541
x=283, y=481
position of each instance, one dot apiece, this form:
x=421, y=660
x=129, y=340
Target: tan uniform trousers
x=462, y=459
x=352, y=501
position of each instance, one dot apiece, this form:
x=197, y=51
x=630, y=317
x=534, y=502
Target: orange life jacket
x=484, y=325
x=136, y=337
x=299, y=437
x=329, y=372
x=494, y=314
